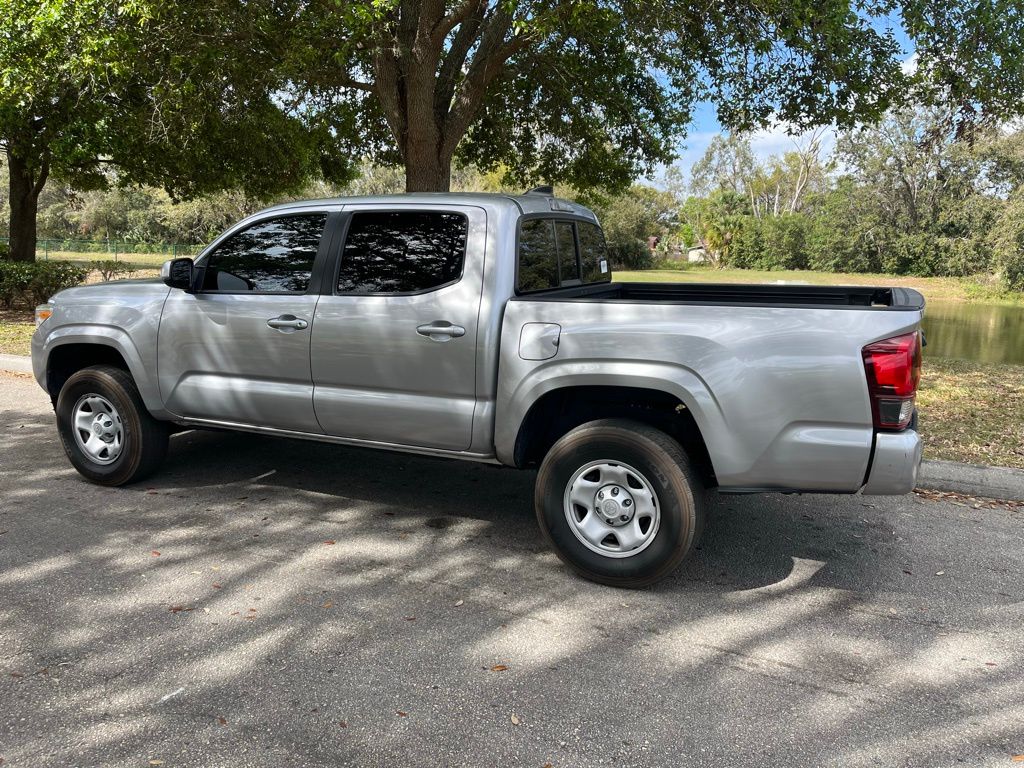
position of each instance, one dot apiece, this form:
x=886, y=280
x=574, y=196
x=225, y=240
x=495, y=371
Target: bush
x=112, y=270
x=1007, y=242
x=775, y=242
x=28, y=283
x=630, y=254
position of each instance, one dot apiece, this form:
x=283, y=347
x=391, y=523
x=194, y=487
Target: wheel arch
x=68, y=350
x=559, y=410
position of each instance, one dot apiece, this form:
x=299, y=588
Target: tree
x=588, y=93
x=142, y=92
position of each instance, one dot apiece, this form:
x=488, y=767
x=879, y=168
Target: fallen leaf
x=515, y=719
x=178, y=608
x=156, y=762
x=330, y=541
x=907, y=572
x=343, y=724
x=400, y=713
x=498, y=668
x=222, y=720
x=990, y=664
x=459, y=603
x=16, y=674
x=410, y=618
x=1017, y=758
x=154, y=553
x=939, y=573
x=216, y=586
x=328, y=604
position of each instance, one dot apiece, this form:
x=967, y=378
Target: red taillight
x=893, y=368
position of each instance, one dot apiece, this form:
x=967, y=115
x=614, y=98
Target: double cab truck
x=487, y=328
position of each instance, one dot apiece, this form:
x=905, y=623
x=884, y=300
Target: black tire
x=666, y=468
x=145, y=439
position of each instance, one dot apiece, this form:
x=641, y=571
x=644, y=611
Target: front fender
x=45, y=342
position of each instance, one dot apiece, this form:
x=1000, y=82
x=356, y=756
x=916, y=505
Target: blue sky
x=705, y=125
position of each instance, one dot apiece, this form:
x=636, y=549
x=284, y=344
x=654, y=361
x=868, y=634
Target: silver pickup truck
x=487, y=328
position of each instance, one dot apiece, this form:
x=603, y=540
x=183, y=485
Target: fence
x=102, y=250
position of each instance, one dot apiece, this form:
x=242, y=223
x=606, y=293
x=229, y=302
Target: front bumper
x=896, y=461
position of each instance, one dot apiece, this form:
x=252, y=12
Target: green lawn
x=940, y=288
x=137, y=260
x=15, y=335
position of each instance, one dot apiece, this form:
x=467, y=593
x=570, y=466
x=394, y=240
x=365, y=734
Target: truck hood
x=113, y=291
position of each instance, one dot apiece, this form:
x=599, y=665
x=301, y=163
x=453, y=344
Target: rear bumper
x=895, y=465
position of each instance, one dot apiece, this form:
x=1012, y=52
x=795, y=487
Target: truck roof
x=535, y=201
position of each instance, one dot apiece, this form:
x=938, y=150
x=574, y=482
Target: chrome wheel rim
x=612, y=508
x=98, y=429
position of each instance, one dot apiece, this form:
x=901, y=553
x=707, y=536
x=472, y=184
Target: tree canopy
x=265, y=94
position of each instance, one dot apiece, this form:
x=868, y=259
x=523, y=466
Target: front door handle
x=288, y=322
x=440, y=330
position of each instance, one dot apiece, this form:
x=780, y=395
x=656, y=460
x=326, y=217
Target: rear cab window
x=558, y=253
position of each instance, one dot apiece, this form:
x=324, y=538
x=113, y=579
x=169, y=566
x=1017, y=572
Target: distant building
x=696, y=254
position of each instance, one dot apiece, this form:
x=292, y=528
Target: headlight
x=43, y=312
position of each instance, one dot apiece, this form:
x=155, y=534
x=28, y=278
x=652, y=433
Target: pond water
x=987, y=333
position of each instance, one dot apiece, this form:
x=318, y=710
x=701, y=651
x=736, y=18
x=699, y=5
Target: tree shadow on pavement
x=269, y=602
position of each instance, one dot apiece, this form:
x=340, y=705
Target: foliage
x=168, y=96
x=537, y=88
x=906, y=196
x=111, y=270
x=26, y=284
x=1008, y=243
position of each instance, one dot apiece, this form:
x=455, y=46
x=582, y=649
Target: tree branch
x=488, y=62
x=455, y=57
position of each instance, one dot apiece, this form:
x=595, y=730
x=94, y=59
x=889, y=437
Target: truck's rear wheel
x=107, y=433
x=619, y=502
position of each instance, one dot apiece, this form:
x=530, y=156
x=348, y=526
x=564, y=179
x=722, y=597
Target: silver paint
x=779, y=393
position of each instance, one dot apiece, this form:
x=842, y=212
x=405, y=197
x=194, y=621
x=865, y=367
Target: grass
x=973, y=290
x=973, y=412
x=137, y=260
x=15, y=332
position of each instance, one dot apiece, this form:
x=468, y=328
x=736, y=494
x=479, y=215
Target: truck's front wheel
x=107, y=433
x=619, y=502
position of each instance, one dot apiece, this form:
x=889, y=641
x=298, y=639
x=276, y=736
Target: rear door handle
x=286, y=322
x=440, y=330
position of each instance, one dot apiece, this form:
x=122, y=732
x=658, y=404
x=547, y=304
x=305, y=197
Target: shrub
x=28, y=283
x=112, y=270
x=629, y=254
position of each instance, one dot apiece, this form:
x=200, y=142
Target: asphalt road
x=266, y=602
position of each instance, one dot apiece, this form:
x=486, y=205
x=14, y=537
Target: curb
x=972, y=480
x=969, y=479
x=16, y=363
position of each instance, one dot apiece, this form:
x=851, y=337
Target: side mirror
x=177, y=273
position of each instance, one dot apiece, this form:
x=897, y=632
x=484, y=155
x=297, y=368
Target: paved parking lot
x=267, y=603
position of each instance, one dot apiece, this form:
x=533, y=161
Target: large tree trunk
x=25, y=187
x=426, y=169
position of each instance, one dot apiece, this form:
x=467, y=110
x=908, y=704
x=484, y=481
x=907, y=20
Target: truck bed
x=719, y=294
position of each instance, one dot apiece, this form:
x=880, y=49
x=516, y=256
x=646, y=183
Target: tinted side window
x=566, y=251
x=269, y=257
x=402, y=251
x=538, y=255
x=593, y=253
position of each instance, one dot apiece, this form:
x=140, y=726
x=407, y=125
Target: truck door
x=394, y=340
x=237, y=350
